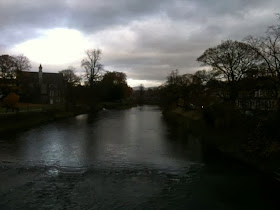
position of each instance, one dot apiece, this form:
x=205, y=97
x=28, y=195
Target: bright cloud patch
x=56, y=46
x=145, y=83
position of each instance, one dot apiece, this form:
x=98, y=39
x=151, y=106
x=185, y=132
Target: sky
x=146, y=39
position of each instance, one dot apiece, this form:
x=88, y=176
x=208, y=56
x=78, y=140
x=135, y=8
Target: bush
x=11, y=102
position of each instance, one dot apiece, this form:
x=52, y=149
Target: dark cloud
x=166, y=34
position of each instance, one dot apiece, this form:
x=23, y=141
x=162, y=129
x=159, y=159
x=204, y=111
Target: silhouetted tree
x=204, y=76
x=7, y=66
x=11, y=65
x=268, y=48
x=92, y=66
x=174, y=78
x=22, y=63
x=114, y=86
x=231, y=60
x=175, y=88
x=70, y=78
x=141, y=89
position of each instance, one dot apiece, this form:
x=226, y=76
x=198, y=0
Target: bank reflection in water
x=135, y=137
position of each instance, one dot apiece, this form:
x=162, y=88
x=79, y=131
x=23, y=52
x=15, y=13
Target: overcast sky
x=146, y=39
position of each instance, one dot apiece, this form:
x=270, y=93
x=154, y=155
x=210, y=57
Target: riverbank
x=236, y=138
x=14, y=122
x=31, y=115
x=34, y=115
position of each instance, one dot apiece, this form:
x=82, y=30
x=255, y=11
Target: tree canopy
x=114, y=86
x=70, y=77
x=230, y=60
x=11, y=65
x=7, y=66
x=268, y=48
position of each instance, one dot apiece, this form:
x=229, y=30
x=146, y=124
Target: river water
x=121, y=159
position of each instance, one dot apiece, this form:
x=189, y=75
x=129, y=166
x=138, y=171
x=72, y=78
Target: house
x=260, y=99
x=259, y=94
x=41, y=87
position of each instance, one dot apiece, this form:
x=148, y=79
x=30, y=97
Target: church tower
x=40, y=74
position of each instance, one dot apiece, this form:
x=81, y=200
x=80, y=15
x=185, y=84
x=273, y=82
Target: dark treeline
x=99, y=85
x=238, y=92
x=86, y=91
x=111, y=87
x=245, y=74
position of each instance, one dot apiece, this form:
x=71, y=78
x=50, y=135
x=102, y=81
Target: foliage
x=231, y=59
x=268, y=48
x=204, y=76
x=70, y=78
x=188, y=91
x=113, y=86
x=11, y=65
x=7, y=66
x=22, y=63
x=11, y=101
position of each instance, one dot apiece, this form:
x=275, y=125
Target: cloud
x=146, y=39
x=56, y=46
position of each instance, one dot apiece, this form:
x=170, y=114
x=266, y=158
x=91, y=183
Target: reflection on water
x=137, y=137
x=141, y=161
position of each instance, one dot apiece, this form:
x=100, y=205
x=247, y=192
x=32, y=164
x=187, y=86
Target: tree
x=174, y=77
x=204, y=76
x=11, y=102
x=231, y=60
x=22, y=63
x=7, y=67
x=11, y=65
x=114, y=78
x=92, y=66
x=114, y=86
x=268, y=48
x=71, y=81
x=141, y=89
x=141, y=93
x=70, y=78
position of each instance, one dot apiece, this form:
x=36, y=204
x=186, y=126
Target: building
x=41, y=87
x=259, y=94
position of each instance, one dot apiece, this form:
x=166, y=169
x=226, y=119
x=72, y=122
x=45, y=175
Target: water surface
x=121, y=159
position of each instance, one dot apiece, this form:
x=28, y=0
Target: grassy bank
x=30, y=115
x=14, y=122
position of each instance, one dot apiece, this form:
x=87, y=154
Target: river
x=121, y=159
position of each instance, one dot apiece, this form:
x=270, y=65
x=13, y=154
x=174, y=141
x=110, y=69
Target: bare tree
x=268, y=48
x=92, y=66
x=22, y=63
x=7, y=67
x=231, y=60
x=70, y=77
x=204, y=76
x=174, y=77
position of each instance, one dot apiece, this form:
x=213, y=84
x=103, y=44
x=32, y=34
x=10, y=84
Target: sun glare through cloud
x=55, y=46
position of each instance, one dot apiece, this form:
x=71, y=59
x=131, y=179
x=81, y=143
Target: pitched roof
x=48, y=78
